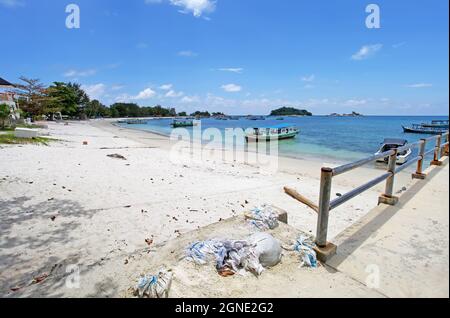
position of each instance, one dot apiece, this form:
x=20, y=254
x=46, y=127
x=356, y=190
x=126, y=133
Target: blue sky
x=237, y=56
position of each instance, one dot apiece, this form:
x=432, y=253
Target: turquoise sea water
x=339, y=138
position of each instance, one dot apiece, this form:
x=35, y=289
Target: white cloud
x=187, y=54
x=419, y=85
x=145, y=94
x=80, y=73
x=231, y=88
x=166, y=87
x=309, y=78
x=96, y=91
x=174, y=94
x=12, y=3
x=190, y=99
x=237, y=70
x=196, y=7
x=367, y=51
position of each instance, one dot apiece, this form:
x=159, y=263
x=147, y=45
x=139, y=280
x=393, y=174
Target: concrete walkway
x=402, y=251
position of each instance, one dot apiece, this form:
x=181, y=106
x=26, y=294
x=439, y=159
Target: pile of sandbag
x=263, y=218
x=254, y=254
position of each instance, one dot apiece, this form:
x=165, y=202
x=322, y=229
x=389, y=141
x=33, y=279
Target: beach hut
x=7, y=97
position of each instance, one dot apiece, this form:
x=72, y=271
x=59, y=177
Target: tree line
x=69, y=99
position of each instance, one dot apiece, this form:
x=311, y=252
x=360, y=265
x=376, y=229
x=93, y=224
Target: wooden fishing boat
x=133, y=121
x=437, y=124
x=420, y=129
x=277, y=132
x=177, y=123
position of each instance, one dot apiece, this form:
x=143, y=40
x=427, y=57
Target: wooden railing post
x=445, y=151
x=324, y=249
x=419, y=174
x=388, y=196
x=324, y=206
x=437, y=151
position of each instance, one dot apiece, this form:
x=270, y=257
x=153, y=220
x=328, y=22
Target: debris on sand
x=116, y=156
x=154, y=286
x=39, y=279
x=149, y=241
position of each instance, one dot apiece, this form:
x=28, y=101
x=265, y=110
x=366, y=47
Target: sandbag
x=267, y=248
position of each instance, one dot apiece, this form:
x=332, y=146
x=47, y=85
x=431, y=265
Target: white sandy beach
x=68, y=203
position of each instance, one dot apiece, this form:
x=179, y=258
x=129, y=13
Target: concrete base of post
x=326, y=252
x=420, y=176
x=436, y=163
x=384, y=199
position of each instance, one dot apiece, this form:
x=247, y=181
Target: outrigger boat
x=437, y=124
x=277, y=132
x=391, y=143
x=421, y=129
x=177, y=123
x=133, y=121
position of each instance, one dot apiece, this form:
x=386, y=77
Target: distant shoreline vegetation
x=353, y=114
x=290, y=111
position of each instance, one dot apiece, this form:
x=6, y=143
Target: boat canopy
x=395, y=141
x=280, y=126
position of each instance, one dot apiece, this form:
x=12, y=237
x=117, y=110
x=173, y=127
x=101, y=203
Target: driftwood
x=297, y=196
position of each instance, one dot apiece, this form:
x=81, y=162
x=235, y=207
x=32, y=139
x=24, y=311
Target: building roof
x=5, y=83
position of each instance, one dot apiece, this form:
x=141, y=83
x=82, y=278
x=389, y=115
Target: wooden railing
x=326, y=204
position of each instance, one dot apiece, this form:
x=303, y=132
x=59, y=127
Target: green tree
x=287, y=111
x=66, y=96
x=95, y=109
x=82, y=99
x=4, y=114
x=205, y=114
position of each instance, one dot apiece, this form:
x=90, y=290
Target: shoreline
x=309, y=157
x=70, y=203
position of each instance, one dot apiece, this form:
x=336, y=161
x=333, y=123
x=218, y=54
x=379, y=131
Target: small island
x=353, y=114
x=290, y=111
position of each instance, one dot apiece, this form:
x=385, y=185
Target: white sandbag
x=267, y=248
